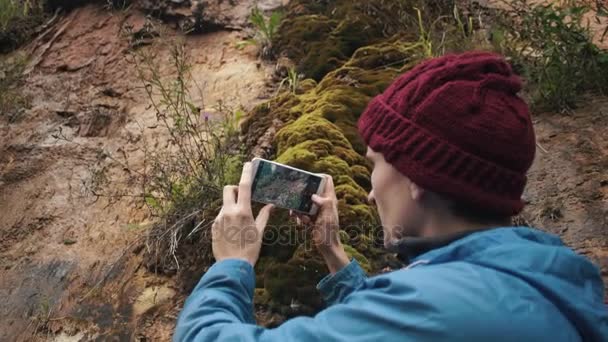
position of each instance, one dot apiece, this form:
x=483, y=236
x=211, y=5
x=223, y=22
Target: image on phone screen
x=284, y=187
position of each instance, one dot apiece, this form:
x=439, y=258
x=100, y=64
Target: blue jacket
x=504, y=284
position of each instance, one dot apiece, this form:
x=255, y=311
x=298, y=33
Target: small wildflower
x=205, y=116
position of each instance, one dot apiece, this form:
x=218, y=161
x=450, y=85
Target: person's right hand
x=326, y=228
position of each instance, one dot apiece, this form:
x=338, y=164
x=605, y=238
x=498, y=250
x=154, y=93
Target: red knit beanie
x=455, y=125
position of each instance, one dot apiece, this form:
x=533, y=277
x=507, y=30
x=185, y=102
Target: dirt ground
x=71, y=263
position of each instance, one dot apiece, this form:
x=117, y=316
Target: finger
x=320, y=201
x=219, y=215
x=245, y=185
x=306, y=219
x=263, y=215
x=302, y=219
x=229, y=195
x=329, y=190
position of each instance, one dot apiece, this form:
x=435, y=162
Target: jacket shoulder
x=472, y=302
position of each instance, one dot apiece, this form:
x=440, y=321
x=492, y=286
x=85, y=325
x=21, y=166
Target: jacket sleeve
x=221, y=309
x=336, y=287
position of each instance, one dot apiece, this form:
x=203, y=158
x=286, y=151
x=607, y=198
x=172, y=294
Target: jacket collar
x=410, y=248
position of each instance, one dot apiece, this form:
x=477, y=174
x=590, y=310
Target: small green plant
x=553, y=45
x=292, y=80
x=444, y=32
x=182, y=184
x=425, y=39
x=12, y=100
x=41, y=317
x=11, y=10
x=265, y=31
x=18, y=21
x=466, y=30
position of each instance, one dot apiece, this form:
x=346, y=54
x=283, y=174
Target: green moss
x=341, y=45
x=306, y=85
x=322, y=36
x=261, y=297
x=262, y=116
x=295, y=280
x=363, y=261
x=365, y=244
x=18, y=23
x=351, y=192
x=332, y=166
x=361, y=176
x=394, y=54
x=260, y=267
x=351, y=133
x=338, y=101
x=298, y=157
x=309, y=127
x=280, y=281
x=350, y=156
x=308, y=39
x=355, y=219
x=281, y=236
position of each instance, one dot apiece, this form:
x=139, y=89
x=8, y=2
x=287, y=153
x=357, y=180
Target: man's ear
x=416, y=191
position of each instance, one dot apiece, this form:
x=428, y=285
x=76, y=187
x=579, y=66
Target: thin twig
x=541, y=147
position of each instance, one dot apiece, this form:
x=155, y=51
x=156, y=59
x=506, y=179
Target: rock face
x=206, y=15
x=65, y=253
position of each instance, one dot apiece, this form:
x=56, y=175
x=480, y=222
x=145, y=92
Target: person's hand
x=235, y=233
x=326, y=227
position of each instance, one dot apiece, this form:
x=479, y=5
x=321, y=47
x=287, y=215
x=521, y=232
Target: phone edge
x=315, y=208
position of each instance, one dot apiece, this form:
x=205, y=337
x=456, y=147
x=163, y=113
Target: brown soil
x=568, y=183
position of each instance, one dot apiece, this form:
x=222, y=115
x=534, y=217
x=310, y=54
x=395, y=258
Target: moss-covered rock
x=351, y=59
x=295, y=281
x=322, y=35
x=261, y=297
x=361, y=175
x=281, y=237
x=354, y=254
x=261, y=266
x=271, y=115
x=309, y=127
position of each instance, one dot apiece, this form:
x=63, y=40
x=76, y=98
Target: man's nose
x=370, y=197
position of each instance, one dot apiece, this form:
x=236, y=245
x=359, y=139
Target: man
x=451, y=143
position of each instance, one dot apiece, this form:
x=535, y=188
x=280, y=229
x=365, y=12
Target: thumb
x=263, y=215
x=318, y=200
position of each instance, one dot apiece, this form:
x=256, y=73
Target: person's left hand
x=235, y=233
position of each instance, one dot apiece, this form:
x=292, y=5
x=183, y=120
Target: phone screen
x=284, y=187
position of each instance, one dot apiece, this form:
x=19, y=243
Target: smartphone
x=285, y=186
